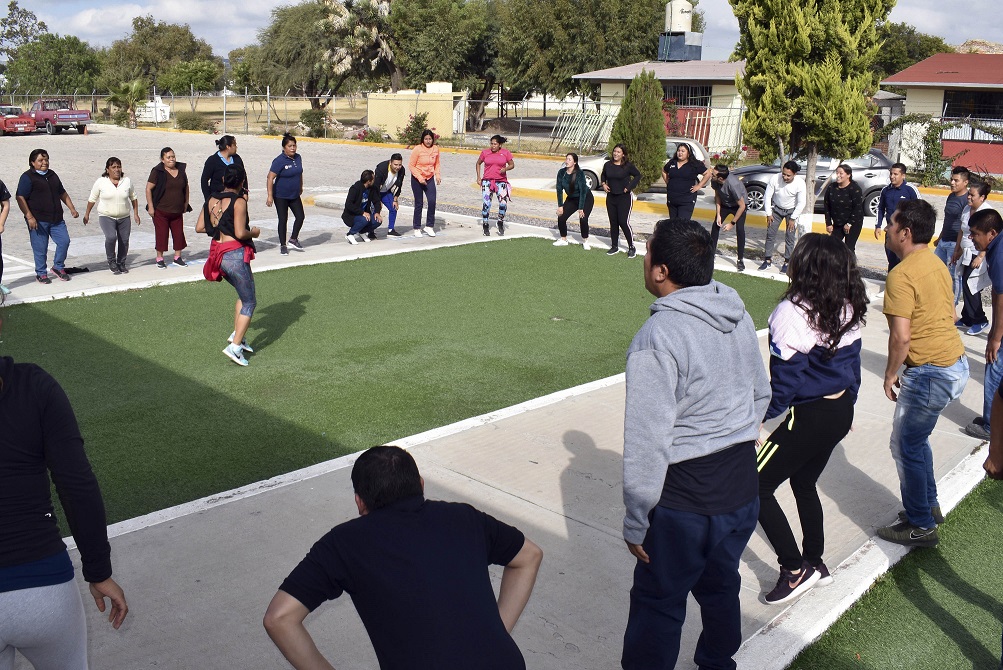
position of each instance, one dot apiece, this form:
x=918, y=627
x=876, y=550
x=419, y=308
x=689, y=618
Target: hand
x=729, y=226
x=846, y=229
x=74, y=213
x=136, y=217
x=268, y=201
x=717, y=220
x=379, y=218
x=626, y=190
x=395, y=204
x=992, y=349
x=892, y=383
x=366, y=215
x=502, y=170
x=605, y=187
x=957, y=255
x=828, y=229
x=32, y=222
x=977, y=261
x=255, y=231
x=109, y=589
x=560, y=211
x=149, y=209
x=877, y=233
x=1, y=227
x=438, y=180
x=581, y=214
x=86, y=219
x=993, y=470
x=638, y=552
x=694, y=188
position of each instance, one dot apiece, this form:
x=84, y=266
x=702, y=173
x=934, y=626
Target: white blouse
x=113, y=201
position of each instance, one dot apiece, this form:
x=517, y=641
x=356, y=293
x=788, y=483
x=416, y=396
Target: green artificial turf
x=347, y=355
x=938, y=609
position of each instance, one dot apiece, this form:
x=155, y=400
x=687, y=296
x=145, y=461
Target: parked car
x=870, y=171
x=57, y=114
x=592, y=165
x=13, y=120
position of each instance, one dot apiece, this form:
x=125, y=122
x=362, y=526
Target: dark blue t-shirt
x=994, y=256
x=952, y=217
x=288, y=176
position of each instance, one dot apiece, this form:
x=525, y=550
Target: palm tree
x=128, y=96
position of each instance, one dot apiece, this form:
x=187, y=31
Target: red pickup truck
x=55, y=114
x=13, y=120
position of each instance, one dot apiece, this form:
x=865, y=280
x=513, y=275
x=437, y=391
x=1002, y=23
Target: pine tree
x=640, y=127
x=808, y=76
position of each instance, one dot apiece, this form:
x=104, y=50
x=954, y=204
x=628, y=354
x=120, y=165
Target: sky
x=100, y=22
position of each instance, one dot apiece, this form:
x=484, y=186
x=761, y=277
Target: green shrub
x=121, y=117
x=192, y=121
x=411, y=133
x=370, y=134
x=315, y=120
x=271, y=129
x=640, y=126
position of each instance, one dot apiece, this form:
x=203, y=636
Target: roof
x=887, y=95
x=952, y=70
x=690, y=70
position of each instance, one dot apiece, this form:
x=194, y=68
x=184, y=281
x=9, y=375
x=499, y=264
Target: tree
x=194, y=77
x=640, y=127
x=363, y=41
x=54, y=64
x=294, y=53
x=19, y=27
x=808, y=76
x=902, y=45
x=152, y=48
x=128, y=96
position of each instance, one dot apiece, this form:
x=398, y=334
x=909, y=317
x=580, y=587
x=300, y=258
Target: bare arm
x=4, y=211
x=87, y=212
x=269, y=185
x=477, y=168
x=704, y=178
x=240, y=229
x=284, y=623
x=517, y=583
x=149, y=198
x=508, y=166
x=65, y=197
x=996, y=332
x=29, y=218
x=899, y=337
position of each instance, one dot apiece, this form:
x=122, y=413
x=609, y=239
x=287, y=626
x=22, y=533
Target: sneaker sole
x=912, y=543
x=824, y=581
x=802, y=588
x=239, y=361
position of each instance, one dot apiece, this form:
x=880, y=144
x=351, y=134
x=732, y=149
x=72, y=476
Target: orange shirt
x=424, y=162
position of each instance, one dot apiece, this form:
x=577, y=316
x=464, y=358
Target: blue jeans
x=994, y=374
x=39, y=239
x=388, y=201
x=926, y=391
x=361, y=224
x=420, y=192
x=689, y=553
x=944, y=251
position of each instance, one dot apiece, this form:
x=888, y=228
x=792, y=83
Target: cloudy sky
x=100, y=22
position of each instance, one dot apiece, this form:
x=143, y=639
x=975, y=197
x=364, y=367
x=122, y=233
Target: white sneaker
x=364, y=238
x=585, y=245
x=417, y=232
x=243, y=343
x=561, y=243
x=234, y=353
x=351, y=239
x=429, y=231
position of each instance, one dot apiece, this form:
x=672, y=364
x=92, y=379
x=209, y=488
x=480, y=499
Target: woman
x=167, y=200
x=41, y=612
x=973, y=315
x=114, y=195
x=815, y=372
x=497, y=162
x=224, y=219
x=4, y=211
x=39, y=192
x=571, y=181
x=684, y=175
x=619, y=177
x=216, y=164
x=844, y=208
x=425, y=176
x=285, y=186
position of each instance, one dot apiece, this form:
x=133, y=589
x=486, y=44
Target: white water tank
x=678, y=17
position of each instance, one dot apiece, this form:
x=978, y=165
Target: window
x=689, y=96
x=974, y=104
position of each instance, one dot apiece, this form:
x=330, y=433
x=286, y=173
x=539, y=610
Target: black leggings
x=715, y=230
x=569, y=210
x=282, y=207
x=618, y=208
x=682, y=210
x=850, y=238
x=972, y=313
x=798, y=450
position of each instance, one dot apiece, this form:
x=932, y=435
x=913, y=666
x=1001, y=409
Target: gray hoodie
x=696, y=384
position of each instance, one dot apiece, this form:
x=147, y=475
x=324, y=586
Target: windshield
x=10, y=111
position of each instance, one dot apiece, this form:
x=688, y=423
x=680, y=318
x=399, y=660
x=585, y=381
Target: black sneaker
x=824, y=578
x=121, y=268
x=390, y=233
x=783, y=268
x=631, y=252
x=741, y=265
x=372, y=235
x=293, y=242
x=161, y=264
x=180, y=262
x=938, y=517
x=501, y=227
x=909, y=535
x=767, y=264
x=613, y=251
x=791, y=586
x=284, y=250
x=60, y=273
x=113, y=266
x=487, y=229
x=43, y=279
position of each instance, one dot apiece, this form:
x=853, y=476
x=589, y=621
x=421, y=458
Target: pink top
x=494, y=161
x=424, y=162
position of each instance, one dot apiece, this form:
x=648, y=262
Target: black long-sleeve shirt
x=39, y=436
x=212, y=174
x=620, y=178
x=844, y=206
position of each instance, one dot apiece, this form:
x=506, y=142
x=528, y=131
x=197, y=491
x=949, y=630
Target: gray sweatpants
x=46, y=624
x=116, y=231
x=790, y=239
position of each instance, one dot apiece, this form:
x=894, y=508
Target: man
x=785, y=198
x=417, y=573
x=972, y=313
x=897, y=191
x=690, y=484
x=390, y=179
x=730, y=199
x=918, y=306
x=986, y=225
x=362, y=210
x=957, y=200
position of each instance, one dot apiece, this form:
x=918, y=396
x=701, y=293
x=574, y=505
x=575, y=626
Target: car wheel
x=757, y=198
x=59, y=129
x=591, y=180
x=49, y=128
x=871, y=203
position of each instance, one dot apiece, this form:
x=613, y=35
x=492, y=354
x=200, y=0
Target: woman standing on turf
x=216, y=164
x=571, y=182
x=497, y=161
x=619, y=177
x=224, y=219
x=167, y=201
x=684, y=175
x=114, y=195
x=844, y=207
x=815, y=372
x=285, y=186
x=39, y=192
x=425, y=176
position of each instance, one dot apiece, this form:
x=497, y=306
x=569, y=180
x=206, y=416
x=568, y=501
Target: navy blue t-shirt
x=417, y=572
x=288, y=176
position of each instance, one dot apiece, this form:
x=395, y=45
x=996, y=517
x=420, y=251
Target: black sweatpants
x=282, y=207
x=972, y=313
x=618, y=208
x=799, y=450
x=715, y=230
x=569, y=210
x=848, y=238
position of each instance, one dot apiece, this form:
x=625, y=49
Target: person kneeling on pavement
x=362, y=211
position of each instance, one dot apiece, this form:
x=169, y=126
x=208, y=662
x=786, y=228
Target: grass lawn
x=348, y=355
x=938, y=609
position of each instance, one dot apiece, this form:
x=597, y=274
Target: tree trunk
x=809, y=178
x=478, y=108
x=396, y=78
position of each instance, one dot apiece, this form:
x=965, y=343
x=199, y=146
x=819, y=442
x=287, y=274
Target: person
x=957, y=200
x=284, y=186
x=986, y=225
x=416, y=570
x=898, y=190
x=168, y=197
x=216, y=164
x=497, y=161
x=815, y=347
x=39, y=192
x=389, y=177
x=922, y=335
x=4, y=211
x=844, y=207
x=618, y=178
x=573, y=189
x=114, y=196
x=730, y=199
x=425, y=176
x=41, y=611
x=362, y=212
x=224, y=219
x=973, y=315
x=684, y=174
x=786, y=196
x=689, y=473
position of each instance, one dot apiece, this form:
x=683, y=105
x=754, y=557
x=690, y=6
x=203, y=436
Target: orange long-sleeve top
x=424, y=162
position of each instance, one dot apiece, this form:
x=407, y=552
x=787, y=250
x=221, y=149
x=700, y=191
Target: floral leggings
x=500, y=189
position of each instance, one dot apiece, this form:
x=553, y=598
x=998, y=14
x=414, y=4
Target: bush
x=315, y=120
x=411, y=133
x=193, y=121
x=121, y=118
x=370, y=134
x=640, y=126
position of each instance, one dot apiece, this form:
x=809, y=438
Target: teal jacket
x=564, y=184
